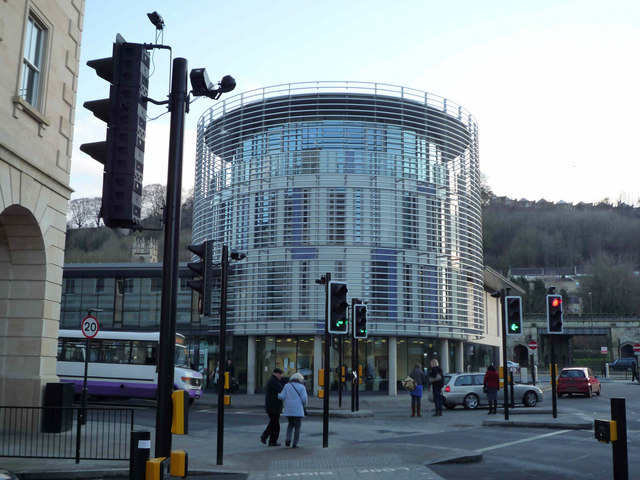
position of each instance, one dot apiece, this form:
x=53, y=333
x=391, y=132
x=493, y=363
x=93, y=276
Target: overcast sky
x=553, y=84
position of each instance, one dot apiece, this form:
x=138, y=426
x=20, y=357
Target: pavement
x=374, y=442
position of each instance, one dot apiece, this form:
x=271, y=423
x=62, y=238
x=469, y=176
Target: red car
x=578, y=380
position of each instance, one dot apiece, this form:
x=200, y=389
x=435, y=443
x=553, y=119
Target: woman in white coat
x=294, y=396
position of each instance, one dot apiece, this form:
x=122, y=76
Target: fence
x=30, y=432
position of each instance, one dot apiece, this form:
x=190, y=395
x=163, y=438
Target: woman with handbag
x=294, y=396
x=436, y=379
x=417, y=374
x=491, y=386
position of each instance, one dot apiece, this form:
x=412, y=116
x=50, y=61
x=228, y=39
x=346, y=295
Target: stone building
x=39, y=53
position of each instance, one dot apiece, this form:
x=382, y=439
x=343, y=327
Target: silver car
x=466, y=389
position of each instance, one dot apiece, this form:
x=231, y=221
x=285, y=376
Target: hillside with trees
x=602, y=238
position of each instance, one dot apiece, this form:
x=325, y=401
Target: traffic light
x=554, y=313
x=513, y=312
x=360, y=321
x=125, y=112
x=338, y=322
x=204, y=269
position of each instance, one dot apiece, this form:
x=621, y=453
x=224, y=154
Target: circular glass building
x=375, y=184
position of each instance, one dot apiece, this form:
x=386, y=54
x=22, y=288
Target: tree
x=610, y=287
x=80, y=212
x=153, y=200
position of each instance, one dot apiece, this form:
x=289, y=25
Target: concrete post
x=393, y=366
x=443, y=352
x=251, y=365
x=459, y=356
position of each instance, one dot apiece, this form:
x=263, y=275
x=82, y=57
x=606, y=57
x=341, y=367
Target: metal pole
x=354, y=366
x=619, y=447
x=357, y=355
x=166, y=360
x=340, y=362
x=224, y=266
x=84, y=382
x=554, y=396
x=505, y=370
x=327, y=364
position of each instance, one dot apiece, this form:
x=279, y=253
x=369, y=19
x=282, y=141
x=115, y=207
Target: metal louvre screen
x=377, y=184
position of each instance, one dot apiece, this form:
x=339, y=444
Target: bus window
x=113, y=351
x=73, y=351
x=142, y=352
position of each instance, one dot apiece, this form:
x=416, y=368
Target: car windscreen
x=572, y=374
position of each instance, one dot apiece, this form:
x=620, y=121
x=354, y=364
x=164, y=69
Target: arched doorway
x=28, y=311
x=627, y=350
x=521, y=355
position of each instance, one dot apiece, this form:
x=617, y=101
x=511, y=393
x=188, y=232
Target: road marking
x=524, y=440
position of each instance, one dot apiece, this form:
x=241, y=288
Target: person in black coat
x=436, y=379
x=273, y=406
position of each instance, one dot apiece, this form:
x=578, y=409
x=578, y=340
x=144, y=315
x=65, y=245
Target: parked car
x=623, y=363
x=578, y=380
x=466, y=389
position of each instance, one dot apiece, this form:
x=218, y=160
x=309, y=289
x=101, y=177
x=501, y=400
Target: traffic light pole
x=554, y=396
x=327, y=364
x=166, y=357
x=505, y=369
x=224, y=269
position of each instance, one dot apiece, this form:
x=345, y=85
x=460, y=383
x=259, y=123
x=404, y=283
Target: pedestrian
x=436, y=379
x=416, y=394
x=229, y=368
x=273, y=406
x=294, y=395
x=491, y=386
x=634, y=372
x=215, y=375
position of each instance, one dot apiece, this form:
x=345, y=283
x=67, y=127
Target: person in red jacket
x=492, y=385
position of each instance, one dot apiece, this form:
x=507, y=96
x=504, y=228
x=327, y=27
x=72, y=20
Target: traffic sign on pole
x=636, y=349
x=533, y=345
x=90, y=326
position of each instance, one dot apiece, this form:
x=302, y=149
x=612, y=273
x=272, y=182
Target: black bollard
x=139, y=452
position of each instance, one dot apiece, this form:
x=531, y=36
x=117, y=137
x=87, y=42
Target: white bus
x=122, y=364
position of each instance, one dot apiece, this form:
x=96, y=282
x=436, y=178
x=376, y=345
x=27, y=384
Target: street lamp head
x=227, y=84
x=156, y=19
x=202, y=86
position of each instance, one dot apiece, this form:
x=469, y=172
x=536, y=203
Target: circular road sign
x=533, y=345
x=636, y=348
x=90, y=326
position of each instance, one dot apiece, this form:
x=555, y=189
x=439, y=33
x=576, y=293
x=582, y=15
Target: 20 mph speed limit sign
x=90, y=326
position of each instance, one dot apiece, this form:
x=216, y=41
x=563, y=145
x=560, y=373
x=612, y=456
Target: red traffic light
x=555, y=302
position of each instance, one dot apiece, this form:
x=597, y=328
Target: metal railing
x=53, y=432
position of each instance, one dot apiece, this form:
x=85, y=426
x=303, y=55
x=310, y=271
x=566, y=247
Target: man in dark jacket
x=273, y=406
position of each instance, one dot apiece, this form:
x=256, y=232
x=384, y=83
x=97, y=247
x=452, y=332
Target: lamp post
x=224, y=274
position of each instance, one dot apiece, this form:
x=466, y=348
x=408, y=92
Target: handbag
x=304, y=409
x=485, y=389
x=409, y=383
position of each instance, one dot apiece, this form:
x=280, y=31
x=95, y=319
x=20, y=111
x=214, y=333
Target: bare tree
x=187, y=207
x=95, y=207
x=79, y=212
x=153, y=200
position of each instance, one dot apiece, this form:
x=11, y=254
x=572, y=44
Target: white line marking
x=524, y=440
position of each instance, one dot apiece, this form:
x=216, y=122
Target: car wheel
x=530, y=399
x=560, y=395
x=449, y=406
x=599, y=390
x=589, y=393
x=471, y=401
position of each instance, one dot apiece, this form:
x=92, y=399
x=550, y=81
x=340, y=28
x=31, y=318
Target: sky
x=553, y=84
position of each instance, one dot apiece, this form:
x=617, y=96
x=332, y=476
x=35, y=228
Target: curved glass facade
x=376, y=184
